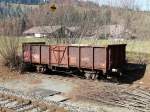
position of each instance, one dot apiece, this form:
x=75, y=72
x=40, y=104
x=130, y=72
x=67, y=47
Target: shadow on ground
x=132, y=72
x=76, y=74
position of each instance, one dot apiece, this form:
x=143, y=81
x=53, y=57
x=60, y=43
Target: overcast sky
x=142, y=4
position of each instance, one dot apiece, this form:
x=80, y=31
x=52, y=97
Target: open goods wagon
x=92, y=60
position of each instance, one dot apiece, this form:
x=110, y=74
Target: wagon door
x=59, y=56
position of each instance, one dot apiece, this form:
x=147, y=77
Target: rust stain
x=72, y=60
x=35, y=56
x=26, y=55
x=102, y=65
x=85, y=59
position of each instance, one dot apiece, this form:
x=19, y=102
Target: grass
x=136, y=49
x=136, y=46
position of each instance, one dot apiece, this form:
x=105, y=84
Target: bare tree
x=128, y=11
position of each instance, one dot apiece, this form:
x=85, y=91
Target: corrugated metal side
x=45, y=55
x=35, y=54
x=27, y=50
x=94, y=58
x=26, y=53
x=100, y=58
x=74, y=56
x=86, y=57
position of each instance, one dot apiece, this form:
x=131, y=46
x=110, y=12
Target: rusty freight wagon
x=91, y=60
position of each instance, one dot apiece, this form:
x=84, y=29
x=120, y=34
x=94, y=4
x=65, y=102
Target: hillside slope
x=76, y=12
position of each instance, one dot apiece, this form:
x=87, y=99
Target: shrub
x=9, y=47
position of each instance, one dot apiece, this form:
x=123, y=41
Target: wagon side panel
x=117, y=56
x=63, y=55
x=26, y=53
x=54, y=55
x=45, y=55
x=100, y=58
x=59, y=55
x=86, y=57
x=73, y=56
x=35, y=54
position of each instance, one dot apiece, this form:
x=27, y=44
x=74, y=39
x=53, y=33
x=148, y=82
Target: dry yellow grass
x=6, y=75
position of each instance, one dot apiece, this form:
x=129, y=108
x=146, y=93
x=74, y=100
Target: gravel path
x=90, y=96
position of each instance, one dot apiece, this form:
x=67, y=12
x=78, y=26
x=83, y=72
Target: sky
x=141, y=4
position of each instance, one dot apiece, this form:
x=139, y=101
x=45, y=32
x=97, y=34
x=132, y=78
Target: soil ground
x=102, y=95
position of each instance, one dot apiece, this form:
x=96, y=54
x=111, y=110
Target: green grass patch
x=135, y=46
x=136, y=49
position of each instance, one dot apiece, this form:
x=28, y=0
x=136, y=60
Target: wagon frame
x=90, y=59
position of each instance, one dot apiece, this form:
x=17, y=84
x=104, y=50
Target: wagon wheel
x=91, y=76
x=94, y=76
x=112, y=78
x=38, y=69
x=45, y=69
x=22, y=68
x=42, y=69
x=87, y=76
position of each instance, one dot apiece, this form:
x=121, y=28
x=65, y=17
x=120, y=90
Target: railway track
x=137, y=100
x=10, y=103
x=18, y=101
